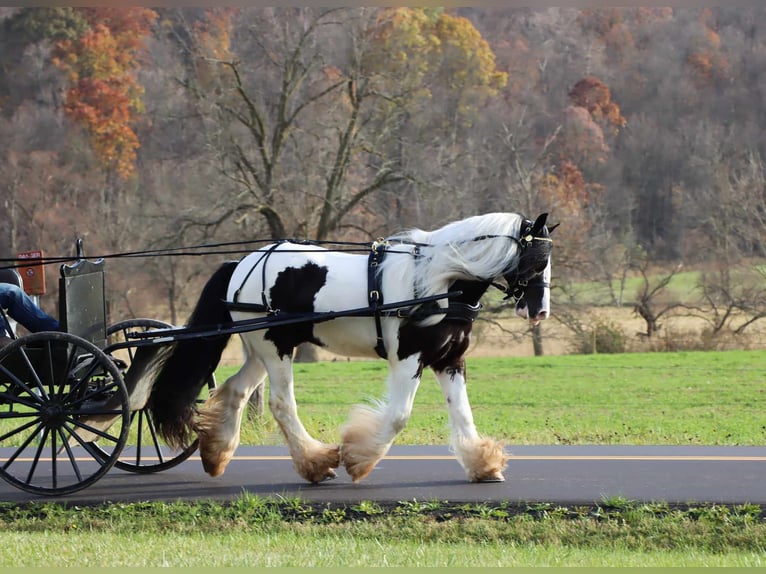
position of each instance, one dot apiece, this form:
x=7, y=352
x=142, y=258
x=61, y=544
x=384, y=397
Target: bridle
x=516, y=287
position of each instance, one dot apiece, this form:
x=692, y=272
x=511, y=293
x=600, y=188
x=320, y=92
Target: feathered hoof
x=359, y=471
x=359, y=460
x=215, y=467
x=484, y=460
x=320, y=465
x=216, y=455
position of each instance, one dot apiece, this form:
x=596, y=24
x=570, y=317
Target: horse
x=419, y=292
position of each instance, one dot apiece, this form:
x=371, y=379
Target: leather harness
x=455, y=311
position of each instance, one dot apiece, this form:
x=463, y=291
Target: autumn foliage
x=104, y=94
x=415, y=48
x=593, y=95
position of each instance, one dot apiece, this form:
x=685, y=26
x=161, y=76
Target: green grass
x=683, y=287
x=256, y=532
x=714, y=398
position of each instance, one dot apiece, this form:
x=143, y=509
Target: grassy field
x=661, y=398
x=255, y=532
x=716, y=398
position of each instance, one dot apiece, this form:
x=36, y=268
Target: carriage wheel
x=145, y=452
x=58, y=394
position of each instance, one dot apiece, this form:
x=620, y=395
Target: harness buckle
x=374, y=295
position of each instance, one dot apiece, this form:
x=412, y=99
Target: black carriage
x=66, y=415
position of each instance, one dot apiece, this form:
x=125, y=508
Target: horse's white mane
x=450, y=252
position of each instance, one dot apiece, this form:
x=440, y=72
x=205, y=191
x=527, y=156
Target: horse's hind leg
x=219, y=419
x=482, y=458
x=370, y=431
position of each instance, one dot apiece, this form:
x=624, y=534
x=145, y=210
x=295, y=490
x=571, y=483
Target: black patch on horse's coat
x=442, y=346
x=294, y=291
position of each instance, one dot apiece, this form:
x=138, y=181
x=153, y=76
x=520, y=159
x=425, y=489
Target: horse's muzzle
x=541, y=316
x=523, y=312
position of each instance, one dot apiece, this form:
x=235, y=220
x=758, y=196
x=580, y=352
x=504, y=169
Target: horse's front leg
x=312, y=459
x=370, y=431
x=482, y=458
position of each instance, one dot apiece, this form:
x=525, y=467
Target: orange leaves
x=583, y=140
x=706, y=61
x=593, y=95
x=105, y=109
x=568, y=196
x=580, y=147
x=212, y=45
x=213, y=34
x=104, y=94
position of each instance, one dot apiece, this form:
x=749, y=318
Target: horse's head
x=529, y=281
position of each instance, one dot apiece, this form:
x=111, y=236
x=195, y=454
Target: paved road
x=564, y=475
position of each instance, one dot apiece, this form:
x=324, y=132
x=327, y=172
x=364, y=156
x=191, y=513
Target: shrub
x=603, y=337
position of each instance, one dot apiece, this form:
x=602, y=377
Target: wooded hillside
x=641, y=130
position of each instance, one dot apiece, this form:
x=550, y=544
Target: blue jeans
x=21, y=308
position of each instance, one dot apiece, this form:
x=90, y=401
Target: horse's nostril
x=542, y=315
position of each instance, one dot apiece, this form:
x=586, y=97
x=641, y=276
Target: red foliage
x=104, y=94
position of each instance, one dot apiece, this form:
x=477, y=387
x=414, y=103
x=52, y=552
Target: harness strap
x=263, y=258
x=375, y=294
x=455, y=311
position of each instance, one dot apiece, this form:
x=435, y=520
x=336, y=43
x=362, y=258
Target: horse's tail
x=185, y=366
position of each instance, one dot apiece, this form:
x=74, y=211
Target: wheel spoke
x=36, y=459
x=25, y=444
x=22, y=428
x=74, y=423
x=155, y=439
x=19, y=383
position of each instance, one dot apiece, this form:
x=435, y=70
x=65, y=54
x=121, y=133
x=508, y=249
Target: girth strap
x=455, y=311
x=375, y=294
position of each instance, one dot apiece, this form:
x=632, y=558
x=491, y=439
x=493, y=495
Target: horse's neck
x=472, y=291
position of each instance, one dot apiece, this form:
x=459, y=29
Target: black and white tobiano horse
x=459, y=262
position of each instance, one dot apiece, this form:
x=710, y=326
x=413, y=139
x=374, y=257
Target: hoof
x=490, y=478
x=331, y=475
x=359, y=463
x=321, y=466
x=360, y=471
x=215, y=460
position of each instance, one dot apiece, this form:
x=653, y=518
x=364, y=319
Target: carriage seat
x=14, y=278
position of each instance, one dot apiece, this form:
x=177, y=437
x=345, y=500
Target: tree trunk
x=537, y=339
x=256, y=402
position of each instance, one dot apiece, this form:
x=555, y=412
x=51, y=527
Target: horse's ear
x=552, y=227
x=539, y=223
